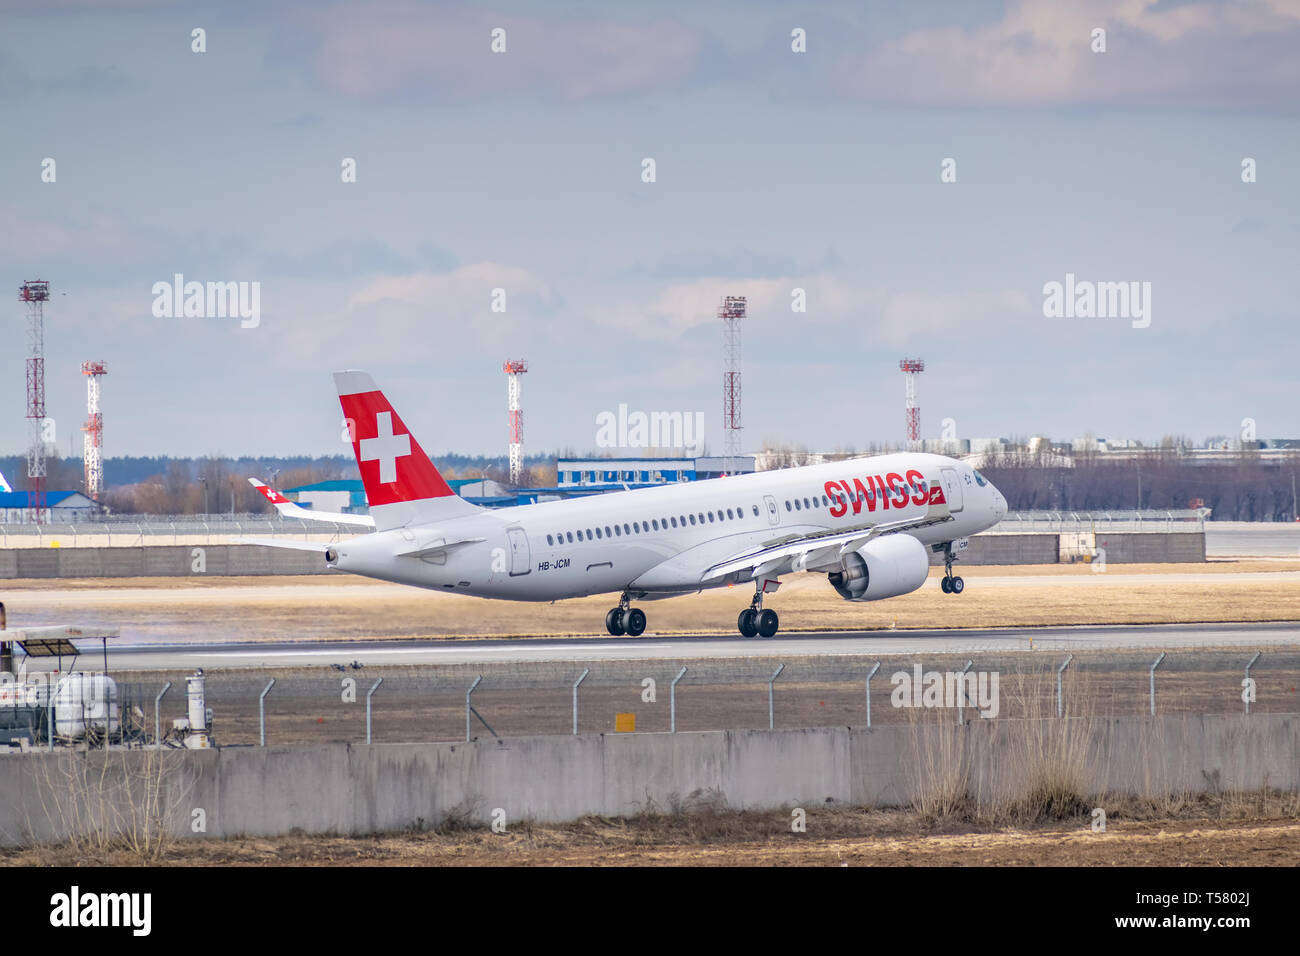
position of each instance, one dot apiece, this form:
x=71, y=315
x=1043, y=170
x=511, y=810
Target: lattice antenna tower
x=35, y=292
x=93, y=442
x=513, y=369
x=912, y=368
x=732, y=313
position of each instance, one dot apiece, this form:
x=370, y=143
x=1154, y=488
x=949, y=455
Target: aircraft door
x=952, y=489
x=520, y=559
x=773, y=514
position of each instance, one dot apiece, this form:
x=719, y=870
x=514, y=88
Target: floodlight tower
x=911, y=368
x=731, y=312
x=35, y=292
x=92, y=446
x=513, y=369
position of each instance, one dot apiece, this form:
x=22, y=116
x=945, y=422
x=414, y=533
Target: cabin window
x=692, y=519
x=755, y=511
x=796, y=504
x=570, y=537
x=550, y=540
x=598, y=533
x=787, y=505
x=729, y=514
x=588, y=534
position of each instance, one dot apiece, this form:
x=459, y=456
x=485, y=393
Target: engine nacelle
x=884, y=568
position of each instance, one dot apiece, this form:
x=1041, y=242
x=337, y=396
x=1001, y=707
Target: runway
x=649, y=647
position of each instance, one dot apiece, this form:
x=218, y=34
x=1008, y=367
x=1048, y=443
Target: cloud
x=1240, y=53
x=423, y=316
x=414, y=52
x=884, y=315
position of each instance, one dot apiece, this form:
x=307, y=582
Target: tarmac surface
x=650, y=647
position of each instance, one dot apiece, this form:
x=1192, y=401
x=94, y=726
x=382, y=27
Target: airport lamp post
x=204, y=482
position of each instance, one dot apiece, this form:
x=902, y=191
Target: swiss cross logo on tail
x=385, y=447
x=936, y=496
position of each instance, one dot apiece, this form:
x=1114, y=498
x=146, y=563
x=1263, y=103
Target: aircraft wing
x=811, y=552
x=290, y=510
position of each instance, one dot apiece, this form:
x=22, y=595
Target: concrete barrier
x=360, y=789
x=158, y=561
x=1007, y=549
x=1151, y=547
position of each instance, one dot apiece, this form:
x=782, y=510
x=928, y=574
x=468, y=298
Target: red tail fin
x=402, y=484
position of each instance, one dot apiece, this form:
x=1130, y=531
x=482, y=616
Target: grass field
x=344, y=607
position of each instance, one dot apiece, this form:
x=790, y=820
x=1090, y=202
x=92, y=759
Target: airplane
x=290, y=509
x=869, y=524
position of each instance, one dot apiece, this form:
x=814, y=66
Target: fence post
x=261, y=708
x=468, y=706
x=1153, y=681
x=961, y=682
x=157, y=721
x=771, y=698
x=1245, y=697
x=869, y=676
x=1060, y=706
x=373, y=687
x=581, y=678
x=672, y=701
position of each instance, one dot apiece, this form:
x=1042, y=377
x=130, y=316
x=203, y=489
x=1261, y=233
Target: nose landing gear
x=950, y=583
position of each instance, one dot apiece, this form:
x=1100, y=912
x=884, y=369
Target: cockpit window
x=980, y=480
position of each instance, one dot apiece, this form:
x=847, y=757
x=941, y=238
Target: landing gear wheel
x=768, y=623
x=945, y=584
x=957, y=585
x=747, y=622
x=614, y=621
x=634, y=621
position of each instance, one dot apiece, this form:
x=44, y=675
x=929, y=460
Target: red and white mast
x=93, y=444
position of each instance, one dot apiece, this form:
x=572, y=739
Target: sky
x=774, y=171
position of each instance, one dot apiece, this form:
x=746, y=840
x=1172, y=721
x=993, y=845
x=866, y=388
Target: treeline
x=1244, y=489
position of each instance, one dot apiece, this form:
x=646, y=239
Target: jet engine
x=884, y=568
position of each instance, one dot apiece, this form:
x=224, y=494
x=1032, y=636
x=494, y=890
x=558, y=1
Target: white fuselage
x=661, y=541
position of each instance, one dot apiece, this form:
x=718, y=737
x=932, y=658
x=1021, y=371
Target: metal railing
x=1100, y=522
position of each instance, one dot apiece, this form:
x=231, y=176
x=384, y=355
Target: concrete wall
x=157, y=561
x=359, y=789
x=1152, y=547
x=167, y=560
x=1007, y=549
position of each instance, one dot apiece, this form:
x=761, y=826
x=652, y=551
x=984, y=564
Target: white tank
x=197, y=710
x=85, y=700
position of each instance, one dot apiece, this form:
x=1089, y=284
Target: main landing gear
x=755, y=622
x=625, y=620
x=950, y=583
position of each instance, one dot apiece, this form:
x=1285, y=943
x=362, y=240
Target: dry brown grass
x=340, y=607
x=1207, y=832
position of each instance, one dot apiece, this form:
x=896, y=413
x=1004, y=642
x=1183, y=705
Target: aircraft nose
x=999, y=505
